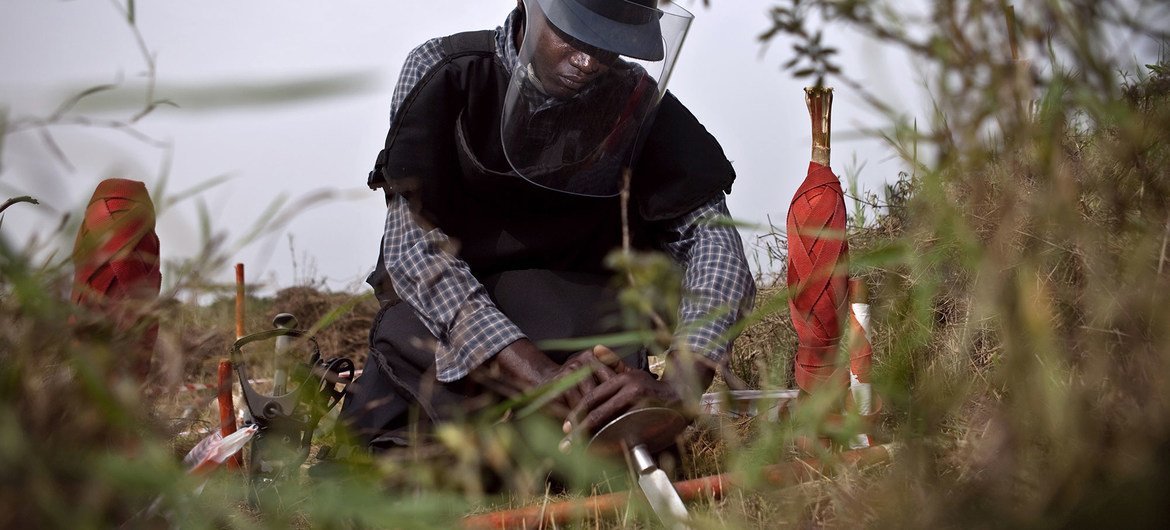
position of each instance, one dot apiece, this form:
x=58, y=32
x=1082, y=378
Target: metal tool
x=281, y=352
x=286, y=419
x=640, y=433
x=748, y=403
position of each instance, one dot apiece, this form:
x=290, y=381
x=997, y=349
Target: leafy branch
x=62, y=117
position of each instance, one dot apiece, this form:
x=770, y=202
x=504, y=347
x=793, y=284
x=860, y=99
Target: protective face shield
x=590, y=74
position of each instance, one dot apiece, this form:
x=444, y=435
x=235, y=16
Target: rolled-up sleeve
x=717, y=283
x=448, y=299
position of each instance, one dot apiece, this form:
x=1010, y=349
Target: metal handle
x=643, y=462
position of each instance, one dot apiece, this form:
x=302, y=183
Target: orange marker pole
x=714, y=487
x=227, y=409
x=239, y=300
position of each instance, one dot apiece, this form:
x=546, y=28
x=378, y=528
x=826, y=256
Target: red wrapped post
x=116, y=264
x=818, y=256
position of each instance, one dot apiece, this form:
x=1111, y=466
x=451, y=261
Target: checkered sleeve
x=717, y=283
x=421, y=59
x=449, y=301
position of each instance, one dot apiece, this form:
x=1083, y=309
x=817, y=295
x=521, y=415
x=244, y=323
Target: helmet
x=587, y=80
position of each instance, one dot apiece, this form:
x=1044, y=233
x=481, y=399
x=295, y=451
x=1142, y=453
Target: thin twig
x=58, y=117
x=14, y=200
x=123, y=126
x=1024, y=233
x=68, y=104
x=873, y=203
x=1162, y=255
x=55, y=149
x=659, y=322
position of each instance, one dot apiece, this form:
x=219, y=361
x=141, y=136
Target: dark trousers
x=398, y=398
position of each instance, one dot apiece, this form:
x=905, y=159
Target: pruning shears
x=286, y=419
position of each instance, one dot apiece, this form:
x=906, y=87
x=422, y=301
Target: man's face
x=565, y=65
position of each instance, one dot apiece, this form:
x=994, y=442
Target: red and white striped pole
x=860, y=357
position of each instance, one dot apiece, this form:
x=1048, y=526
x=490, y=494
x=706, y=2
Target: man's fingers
x=593, y=399
x=605, y=412
x=610, y=359
x=608, y=401
x=574, y=394
x=606, y=356
x=604, y=373
x=557, y=409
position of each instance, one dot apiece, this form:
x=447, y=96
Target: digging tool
x=641, y=433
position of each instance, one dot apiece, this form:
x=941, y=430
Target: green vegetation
x=1018, y=274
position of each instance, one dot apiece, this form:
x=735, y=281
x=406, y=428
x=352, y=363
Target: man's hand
x=521, y=367
x=622, y=389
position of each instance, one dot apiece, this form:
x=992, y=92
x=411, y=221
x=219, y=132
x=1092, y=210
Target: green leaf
x=193, y=191
x=885, y=255
x=627, y=338
x=544, y=394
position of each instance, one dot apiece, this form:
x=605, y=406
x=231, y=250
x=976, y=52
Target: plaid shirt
x=457, y=310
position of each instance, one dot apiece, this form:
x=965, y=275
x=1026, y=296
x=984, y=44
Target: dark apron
x=398, y=398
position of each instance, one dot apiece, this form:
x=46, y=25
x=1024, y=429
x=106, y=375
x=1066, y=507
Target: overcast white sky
x=213, y=56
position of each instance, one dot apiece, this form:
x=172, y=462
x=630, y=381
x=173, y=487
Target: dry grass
x=1018, y=281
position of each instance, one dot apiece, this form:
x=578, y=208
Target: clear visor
x=590, y=74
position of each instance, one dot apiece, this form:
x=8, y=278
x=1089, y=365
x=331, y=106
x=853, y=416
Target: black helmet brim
x=623, y=27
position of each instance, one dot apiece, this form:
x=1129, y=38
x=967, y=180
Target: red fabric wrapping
x=116, y=261
x=817, y=276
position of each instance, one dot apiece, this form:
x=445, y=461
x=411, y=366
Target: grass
x=1017, y=272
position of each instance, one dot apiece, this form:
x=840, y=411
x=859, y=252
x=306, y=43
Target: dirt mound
x=341, y=320
x=194, y=338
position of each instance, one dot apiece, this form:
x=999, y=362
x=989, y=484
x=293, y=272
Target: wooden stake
x=239, y=300
x=858, y=293
x=1013, y=39
x=227, y=408
x=820, y=110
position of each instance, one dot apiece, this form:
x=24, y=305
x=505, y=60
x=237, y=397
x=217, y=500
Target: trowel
x=639, y=434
